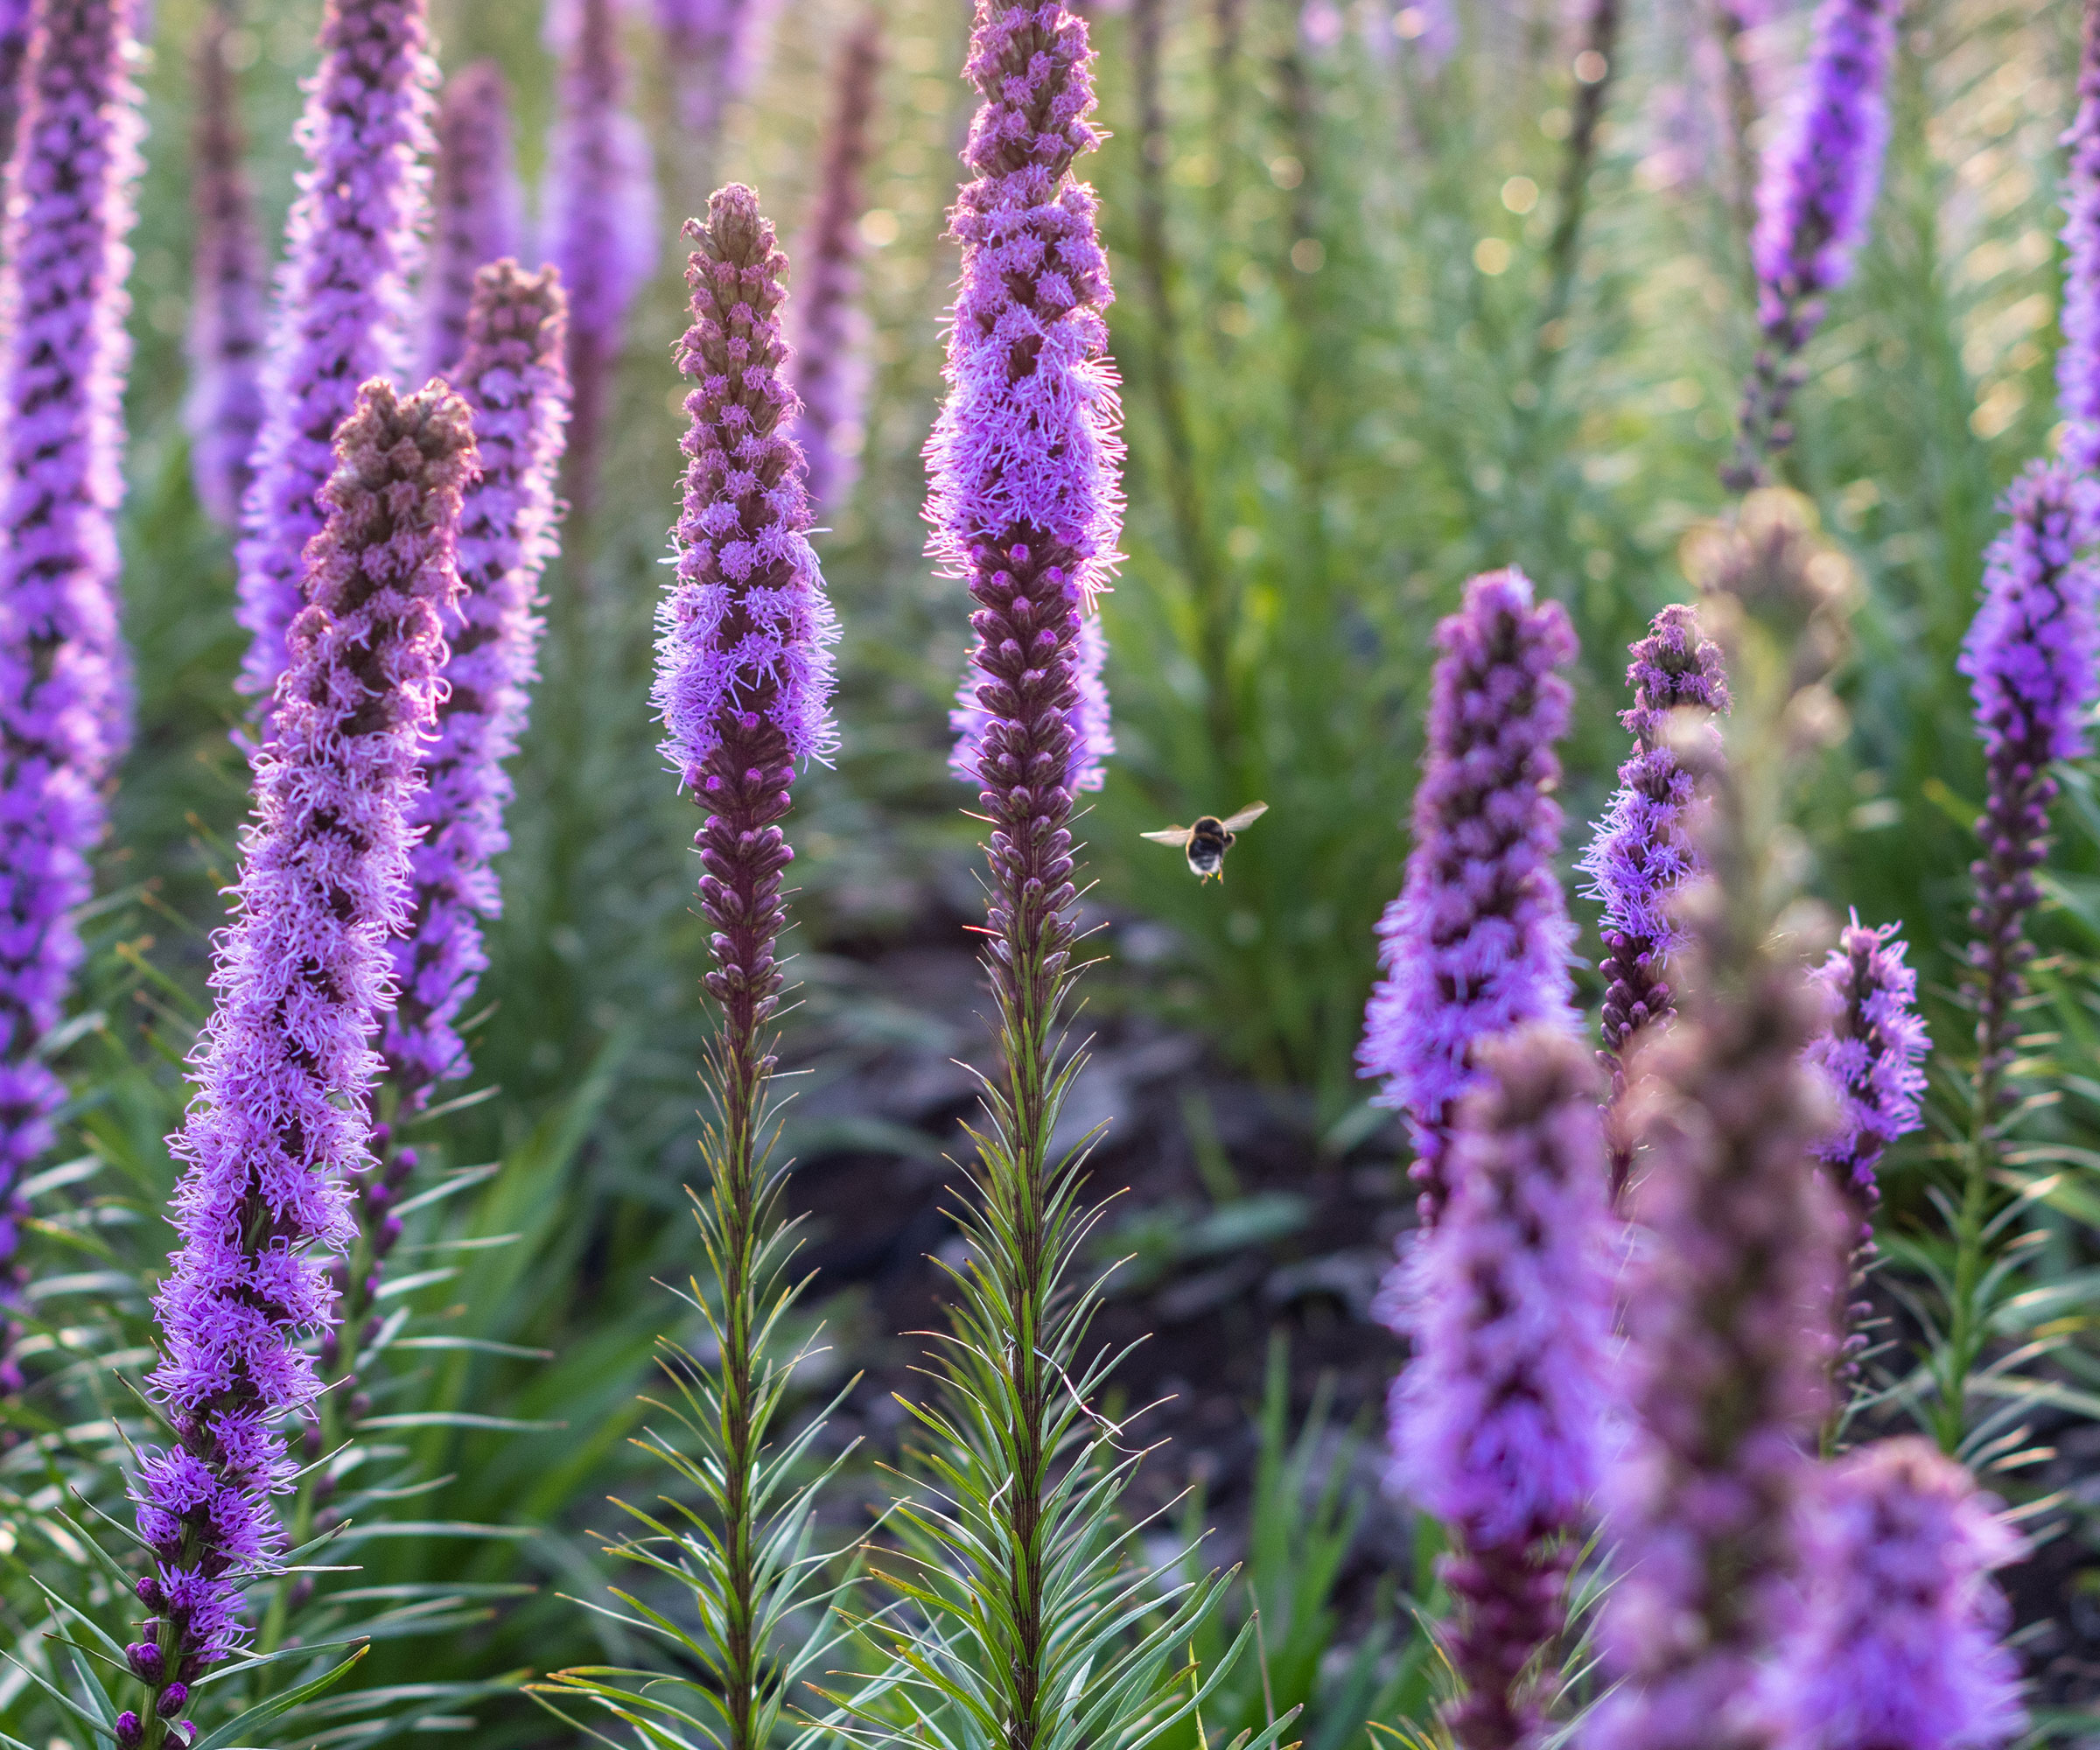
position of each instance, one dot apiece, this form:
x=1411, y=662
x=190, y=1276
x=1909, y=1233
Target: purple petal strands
x=1869, y=1047
x=284, y=1070
x=351, y=243
x=1896, y=1644
x=64, y=693
x=1478, y=940
x=831, y=343
x=597, y=224
x=1816, y=192
x=2078, y=362
x=224, y=408
x=1500, y=1420
x=479, y=206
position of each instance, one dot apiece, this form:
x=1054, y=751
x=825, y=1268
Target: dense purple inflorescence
x=1815, y=195
x=1869, y=1047
x=478, y=204
x=223, y=411
x=510, y=374
x=1478, y=940
x=597, y=224
x=2078, y=363
x=831, y=343
x=351, y=243
x=1500, y=1420
x=1895, y=1644
x=64, y=695
x=284, y=1069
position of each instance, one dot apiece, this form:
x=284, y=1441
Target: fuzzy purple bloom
x=479, y=206
x=223, y=411
x=1869, y=1047
x=1477, y=942
x=351, y=243
x=830, y=339
x=16, y=21
x=510, y=374
x=1500, y=1420
x=284, y=1069
x=65, y=694
x=1815, y=194
x=1896, y=1644
x=2078, y=363
x=597, y=224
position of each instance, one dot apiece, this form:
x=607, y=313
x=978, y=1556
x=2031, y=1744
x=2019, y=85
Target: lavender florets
x=2078, y=362
x=477, y=207
x=1869, y=1047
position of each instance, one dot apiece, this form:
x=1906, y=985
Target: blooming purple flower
x=1499, y=1421
x=597, y=224
x=2078, y=363
x=350, y=244
x=829, y=346
x=510, y=374
x=1815, y=194
x=224, y=408
x=1895, y=1645
x=1477, y=942
x=479, y=204
x=284, y=1070
x=65, y=692
x=1869, y=1047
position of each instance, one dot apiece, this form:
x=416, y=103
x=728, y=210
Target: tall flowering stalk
x=1477, y=942
x=64, y=695
x=283, y=1077
x=2078, y=363
x=1815, y=195
x=712, y=48
x=598, y=215
x=830, y=332
x=1643, y=850
x=351, y=243
x=15, y=24
x=479, y=204
x=224, y=408
x=1499, y=1422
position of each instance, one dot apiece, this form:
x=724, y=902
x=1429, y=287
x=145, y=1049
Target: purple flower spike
x=712, y=48
x=224, y=408
x=1089, y=717
x=282, y=1112
x=830, y=332
x=15, y=24
x=2030, y=657
x=1896, y=1644
x=480, y=207
x=2078, y=363
x=342, y=310
x=510, y=374
x=1478, y=941
x=65, y=689
x=1870, y=1048
x=1499, y=1421
x=599, y=216
x=1815, y=195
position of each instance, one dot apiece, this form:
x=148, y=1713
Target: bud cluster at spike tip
x=477, y=207
x=1869, y=1047
x=223, y=410
x=2078, y=362
x=1477, y=942
x=351, y=243
x=64, y=693
x=510, y=374
x=284, y=1068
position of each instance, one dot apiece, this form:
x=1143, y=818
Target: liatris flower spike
x=64, y=676
x=479, y=206
x=1869, y=1047
x=1896, y=1644
x=1478, y=941
x=15, y=23
x=224, y=408
x=1815, y=195
x=351, y=243
x=2078, y=362
x=1499, y=1421
x=711, y=47
x=284, y=1072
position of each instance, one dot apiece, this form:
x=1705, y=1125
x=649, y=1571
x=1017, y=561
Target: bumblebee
x=1208, y=840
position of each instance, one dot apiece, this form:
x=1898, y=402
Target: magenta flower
x=479, y=204
x=351, y=243
x=282, y=1111
x=1477, y=942
x=1869, y=1047
x=1499, y=1421
x=65, y=692
x=830, y=344
x=2078, y=362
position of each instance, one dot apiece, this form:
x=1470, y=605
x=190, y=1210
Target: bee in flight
x=1208, y=840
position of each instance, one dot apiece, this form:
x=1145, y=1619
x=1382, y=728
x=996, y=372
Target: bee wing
x=1176, y=836
x=1247, y=817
